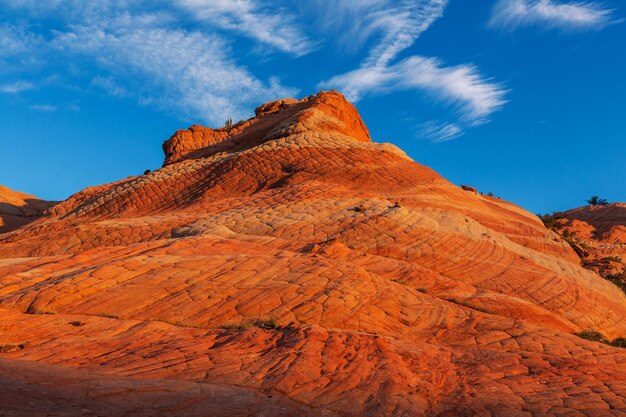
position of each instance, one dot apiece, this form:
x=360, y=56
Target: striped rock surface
x=291, y=266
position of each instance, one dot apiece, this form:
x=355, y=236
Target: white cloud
x=109, y=85
x=16, y=87
x=439, y=132
x=15, y=40
x=397, y=25
x=188, y=72
x=177, y=56
x=120, y=48
x=461, y=85
x=275, y=27
x=46, y=108
x=510, y=14
x=401, y=27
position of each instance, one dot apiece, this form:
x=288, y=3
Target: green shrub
x=597, y=201
x=619, y=342
x=592, y=335
x=269, y=324
x=618, y=279
x=596, y=336
x=548, y=220
x=228, y=125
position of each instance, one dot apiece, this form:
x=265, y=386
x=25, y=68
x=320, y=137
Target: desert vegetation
x=597, y=201
x=228, y=124
x=549, y=220
x=618, y=279
x=266, y=324
x=595, y=336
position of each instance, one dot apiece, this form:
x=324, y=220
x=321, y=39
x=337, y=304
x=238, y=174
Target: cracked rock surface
x=291, y=266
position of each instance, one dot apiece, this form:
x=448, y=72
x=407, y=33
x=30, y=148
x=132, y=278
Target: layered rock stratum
x=290, y=266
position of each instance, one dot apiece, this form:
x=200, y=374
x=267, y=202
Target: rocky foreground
x=290, y=266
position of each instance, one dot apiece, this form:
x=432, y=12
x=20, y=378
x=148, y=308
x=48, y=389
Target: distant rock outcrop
x=600, y=232
x=18, y=209
x=291, y=266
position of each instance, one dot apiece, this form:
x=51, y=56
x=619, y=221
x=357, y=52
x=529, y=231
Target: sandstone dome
x=292, y=266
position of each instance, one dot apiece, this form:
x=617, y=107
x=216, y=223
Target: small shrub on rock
x=228, y=125
x=619, y=342
x=597, y=201
x=592, y=335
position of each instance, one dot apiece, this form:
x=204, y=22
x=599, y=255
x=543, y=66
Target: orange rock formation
x=18, y=209
x=290, y=266
x=601, y=231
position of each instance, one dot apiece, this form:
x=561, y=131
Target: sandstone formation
x=18, y=209
x=291, y=266
x=600, y=233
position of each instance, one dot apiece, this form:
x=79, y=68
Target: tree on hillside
x=597, y=201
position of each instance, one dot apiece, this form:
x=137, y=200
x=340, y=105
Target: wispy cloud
x=398, y=25
x=189, y=72
x=46, y=108
x=401, y=27
x=276, y=28
x=394, y=25
x=181, y=55
x=461, y=85
x=17, y=87
x=109, y=85
x=439, y=132
x=15, y=40
x=510, y=14
x=150, y=56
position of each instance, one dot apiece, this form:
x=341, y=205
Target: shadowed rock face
x=602, y=231
x=18, y=209
x=291, y=266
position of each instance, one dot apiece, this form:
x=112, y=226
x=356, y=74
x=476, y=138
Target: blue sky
x=522, y=98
